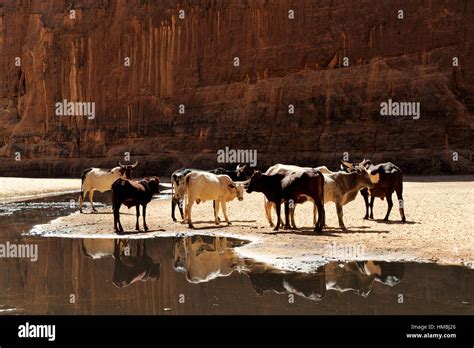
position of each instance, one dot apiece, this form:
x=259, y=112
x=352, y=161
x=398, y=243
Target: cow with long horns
x=97, y=179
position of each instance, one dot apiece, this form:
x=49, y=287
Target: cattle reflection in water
x=204, y=258
x=337, y=276
x=202, y=261
x=132, y=262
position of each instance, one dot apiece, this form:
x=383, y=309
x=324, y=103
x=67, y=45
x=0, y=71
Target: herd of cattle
x=281, y=184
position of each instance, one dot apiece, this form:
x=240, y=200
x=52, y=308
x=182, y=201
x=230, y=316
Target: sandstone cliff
x=190, y=61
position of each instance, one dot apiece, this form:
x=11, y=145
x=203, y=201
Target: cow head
x=126, y=169
x=365, y=165
x=255, y=182
x=244, y=171
x=154, y=185
x=365, y=179
x=348, y=167
x=239, y=190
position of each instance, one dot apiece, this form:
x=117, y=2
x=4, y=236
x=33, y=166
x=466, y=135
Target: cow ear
x=232, y=185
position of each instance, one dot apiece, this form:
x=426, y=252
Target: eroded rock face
x=190, y=61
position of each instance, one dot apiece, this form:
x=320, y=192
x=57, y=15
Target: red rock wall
x=190, y=61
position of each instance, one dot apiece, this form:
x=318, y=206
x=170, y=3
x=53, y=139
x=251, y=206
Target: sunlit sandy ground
x=21, y=189
x=439, y=228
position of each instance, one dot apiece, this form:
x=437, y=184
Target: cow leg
x=287, y=215
x=144, y=218
x=81, y=200
x=180, y=207
x=186, y=202
x=268, y=211
x=216, y=209
x=365, y=194
x=91, y=196
x=315, y=214
x=318, y=228
x=216, y=212
x=390, y=205
x=372, y=199
x=115, y=221
x=188, y=212
x=137, y=226
x=118, y=225
x=174, y=201
x=292, y=216
x=224, y=210
x=278, y=210
x=401, y=204
x=340, y=215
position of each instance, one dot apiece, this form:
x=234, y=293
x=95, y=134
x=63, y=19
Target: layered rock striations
x=334, y=63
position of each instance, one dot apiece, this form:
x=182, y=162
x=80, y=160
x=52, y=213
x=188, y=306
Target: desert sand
x=22, y=189
x=439, y=227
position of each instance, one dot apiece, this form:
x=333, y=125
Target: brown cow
x=133, y=194
x=391, y=179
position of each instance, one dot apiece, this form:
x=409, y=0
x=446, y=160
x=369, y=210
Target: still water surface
x=204, y=275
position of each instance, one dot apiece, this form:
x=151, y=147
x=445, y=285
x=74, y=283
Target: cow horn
x=135, y=164
x=245, y=183
x=120, y=164
x=347, y=164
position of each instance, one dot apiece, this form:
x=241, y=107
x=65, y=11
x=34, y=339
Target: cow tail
x=83, y=177
x=400, y=201
x=323, y=213
x=172, y=178
x=322, y=186
x=114, y=194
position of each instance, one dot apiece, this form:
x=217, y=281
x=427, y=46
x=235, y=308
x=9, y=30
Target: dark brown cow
x=290, y=189
x=391, y=179
x=133, y=194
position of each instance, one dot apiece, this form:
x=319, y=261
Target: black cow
x=289, y=188
x=133, y=193
x=391, y=179
x=240, y=173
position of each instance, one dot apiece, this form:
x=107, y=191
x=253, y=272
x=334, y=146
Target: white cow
x=202, y=262
x=203, y=186
x=97, y=179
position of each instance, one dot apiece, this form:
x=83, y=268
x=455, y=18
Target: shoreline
x=439, y=222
